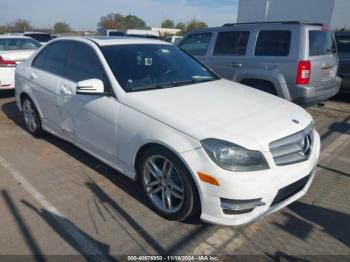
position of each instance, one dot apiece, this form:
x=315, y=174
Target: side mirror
x=90, y=87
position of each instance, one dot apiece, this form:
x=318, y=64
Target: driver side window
x=84, y=64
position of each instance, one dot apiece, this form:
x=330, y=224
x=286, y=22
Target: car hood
x=224, y=110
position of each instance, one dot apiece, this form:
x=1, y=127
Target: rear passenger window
x=273, y=43
x=231, y=43
x=83, y=64
x=52, y=59
x=196, y=44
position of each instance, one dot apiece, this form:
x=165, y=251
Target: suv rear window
x=343, y=43
x=196, y=44
x=321, y=43
x=273, y=43
x=231, y=43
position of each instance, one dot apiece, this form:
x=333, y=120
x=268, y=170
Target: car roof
x=120, y=40
x=239, y=26
x=36, y=33
x=13, y=36
x=112, y=40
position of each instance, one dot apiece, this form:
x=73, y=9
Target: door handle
x=33, y=76
x=236, y=65
x=66, y=91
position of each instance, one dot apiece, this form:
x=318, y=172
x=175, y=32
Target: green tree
x=168, y=24
x=182, y=27
x=20, y=25
x=132, y=21
x=61, y=28
x=3, y=29
x=195, y=24
x=118, y=21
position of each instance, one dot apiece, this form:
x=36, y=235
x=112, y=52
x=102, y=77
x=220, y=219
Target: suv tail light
x=7, y=63
x=304, y=73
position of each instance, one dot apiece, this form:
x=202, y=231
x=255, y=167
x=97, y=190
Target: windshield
x=9, y=44
x=142, y=67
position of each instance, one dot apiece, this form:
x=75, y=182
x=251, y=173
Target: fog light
x=234, y=207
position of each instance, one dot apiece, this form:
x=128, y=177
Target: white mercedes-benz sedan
x=14, y=49
x=196, y=142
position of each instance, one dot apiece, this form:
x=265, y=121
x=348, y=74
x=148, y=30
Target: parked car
x=193, y=140
x=174, y=39
x=14, y=49
x=292, y=60
x=41, y=37
x=343, y=44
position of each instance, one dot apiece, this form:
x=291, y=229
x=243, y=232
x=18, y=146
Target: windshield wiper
x=185, y=82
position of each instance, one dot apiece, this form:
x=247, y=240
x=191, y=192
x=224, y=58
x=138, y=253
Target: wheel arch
x=149, y=145
x=26, y=94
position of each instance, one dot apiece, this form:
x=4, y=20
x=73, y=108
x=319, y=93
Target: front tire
x=31, y=117
x=167, y=184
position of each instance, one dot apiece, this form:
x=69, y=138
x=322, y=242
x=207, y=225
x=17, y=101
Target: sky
x=85, y=14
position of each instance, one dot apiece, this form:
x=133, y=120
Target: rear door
x=323, y=57
x=45, y=77
x=229, y=53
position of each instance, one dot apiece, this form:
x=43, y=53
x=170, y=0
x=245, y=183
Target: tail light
x=304, y=73
x=7, y=63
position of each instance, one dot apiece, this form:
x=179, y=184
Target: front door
x=89, y=120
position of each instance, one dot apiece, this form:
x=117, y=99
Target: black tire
x=31, y=117
x=189, y=204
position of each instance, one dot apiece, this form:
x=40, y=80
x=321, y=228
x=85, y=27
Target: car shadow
x=90, y=248
x=124, y=183
x=334, y=223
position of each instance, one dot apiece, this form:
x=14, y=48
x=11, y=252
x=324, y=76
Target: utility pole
x=267, y=9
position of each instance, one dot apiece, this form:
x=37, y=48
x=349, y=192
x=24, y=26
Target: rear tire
x=261, y=85
x=167, y=184
x=31, y=117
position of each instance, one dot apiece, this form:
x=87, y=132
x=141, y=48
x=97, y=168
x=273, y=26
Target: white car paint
x=114, y=129
x=7, y=74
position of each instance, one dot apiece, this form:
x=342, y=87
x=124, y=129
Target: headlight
x=233, y=157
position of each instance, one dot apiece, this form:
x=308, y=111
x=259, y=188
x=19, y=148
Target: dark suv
x=343, y=43
x=293, y=60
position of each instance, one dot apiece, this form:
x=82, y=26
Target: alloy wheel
x=163, y=184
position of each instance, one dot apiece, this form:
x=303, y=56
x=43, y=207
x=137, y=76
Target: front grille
x=288, y=191
x=293, y=149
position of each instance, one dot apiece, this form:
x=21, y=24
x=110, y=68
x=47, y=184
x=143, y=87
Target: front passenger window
x=84, y=64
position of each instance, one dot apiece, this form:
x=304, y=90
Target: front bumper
x=241, y=186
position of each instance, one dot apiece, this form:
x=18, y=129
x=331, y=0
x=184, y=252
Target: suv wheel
x=261, y=85
x=167, y=185
x=31, y=117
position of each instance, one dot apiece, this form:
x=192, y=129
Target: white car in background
x=14, y=49
x=194, y=141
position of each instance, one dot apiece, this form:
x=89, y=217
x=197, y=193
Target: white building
x=332, y=13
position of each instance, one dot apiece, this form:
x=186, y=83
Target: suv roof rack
x=274, y=22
